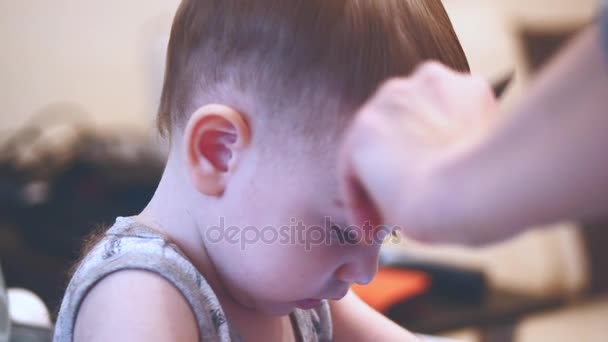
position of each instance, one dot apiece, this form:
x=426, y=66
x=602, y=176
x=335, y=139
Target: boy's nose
x=361, y=267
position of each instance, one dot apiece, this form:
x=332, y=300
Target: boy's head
x=256, y=95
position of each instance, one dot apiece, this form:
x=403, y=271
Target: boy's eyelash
x=344, y=236
x=336, y=228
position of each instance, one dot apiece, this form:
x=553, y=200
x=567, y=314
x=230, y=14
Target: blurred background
x=79, y=87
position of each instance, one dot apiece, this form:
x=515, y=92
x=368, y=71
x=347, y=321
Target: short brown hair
x=287, y=51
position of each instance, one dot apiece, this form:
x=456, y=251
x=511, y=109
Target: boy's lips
x=310, y=303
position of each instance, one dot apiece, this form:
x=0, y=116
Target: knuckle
x=432, y=71
x=479, y=82
x=481, y=87
x=394, y=84
x=392, y=90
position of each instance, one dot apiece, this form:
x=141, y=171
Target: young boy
x=256, y=96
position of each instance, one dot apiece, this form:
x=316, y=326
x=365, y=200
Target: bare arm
x=353, y=320
x=135, y=306
x=548, y=160
x=427, y=152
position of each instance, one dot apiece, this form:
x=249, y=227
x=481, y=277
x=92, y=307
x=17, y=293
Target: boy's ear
x=215, y=137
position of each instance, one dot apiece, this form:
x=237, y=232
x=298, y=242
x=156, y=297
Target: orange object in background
x=391, y=286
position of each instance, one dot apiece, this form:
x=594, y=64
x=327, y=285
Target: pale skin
x=216, y=169
x=434, y=155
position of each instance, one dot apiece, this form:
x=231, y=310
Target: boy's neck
x=168, y=213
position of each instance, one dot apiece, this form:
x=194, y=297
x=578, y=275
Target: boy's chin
x=277, y=309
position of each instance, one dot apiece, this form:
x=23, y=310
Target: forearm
x=548, y=160
x=354, y=320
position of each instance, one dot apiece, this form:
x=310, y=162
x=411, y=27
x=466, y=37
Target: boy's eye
x=348, y=236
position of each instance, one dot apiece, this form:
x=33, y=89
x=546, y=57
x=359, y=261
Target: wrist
x=438, y=201
x=464, y=188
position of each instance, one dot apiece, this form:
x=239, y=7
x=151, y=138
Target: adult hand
x=395, y=161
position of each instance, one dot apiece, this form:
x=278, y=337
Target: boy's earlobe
x=215, y=137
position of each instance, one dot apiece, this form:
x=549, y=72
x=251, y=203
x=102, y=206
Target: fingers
x=401, y=136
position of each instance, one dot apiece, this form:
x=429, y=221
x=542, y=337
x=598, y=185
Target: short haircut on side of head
x=285, y=52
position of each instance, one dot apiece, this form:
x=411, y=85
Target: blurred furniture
x=4, y=316
x=496, y=315
x=29, y=317
x=595, y=237
x=56, y=191
x=450, y=298
x=29, y=333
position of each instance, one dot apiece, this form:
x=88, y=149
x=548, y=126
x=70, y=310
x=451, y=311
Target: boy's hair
x=289, y=53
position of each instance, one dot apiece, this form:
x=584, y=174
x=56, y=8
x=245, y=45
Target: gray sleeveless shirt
x=129, y=245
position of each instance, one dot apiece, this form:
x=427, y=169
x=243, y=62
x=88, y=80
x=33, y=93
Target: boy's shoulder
x=132, y=270
x=134, y=305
